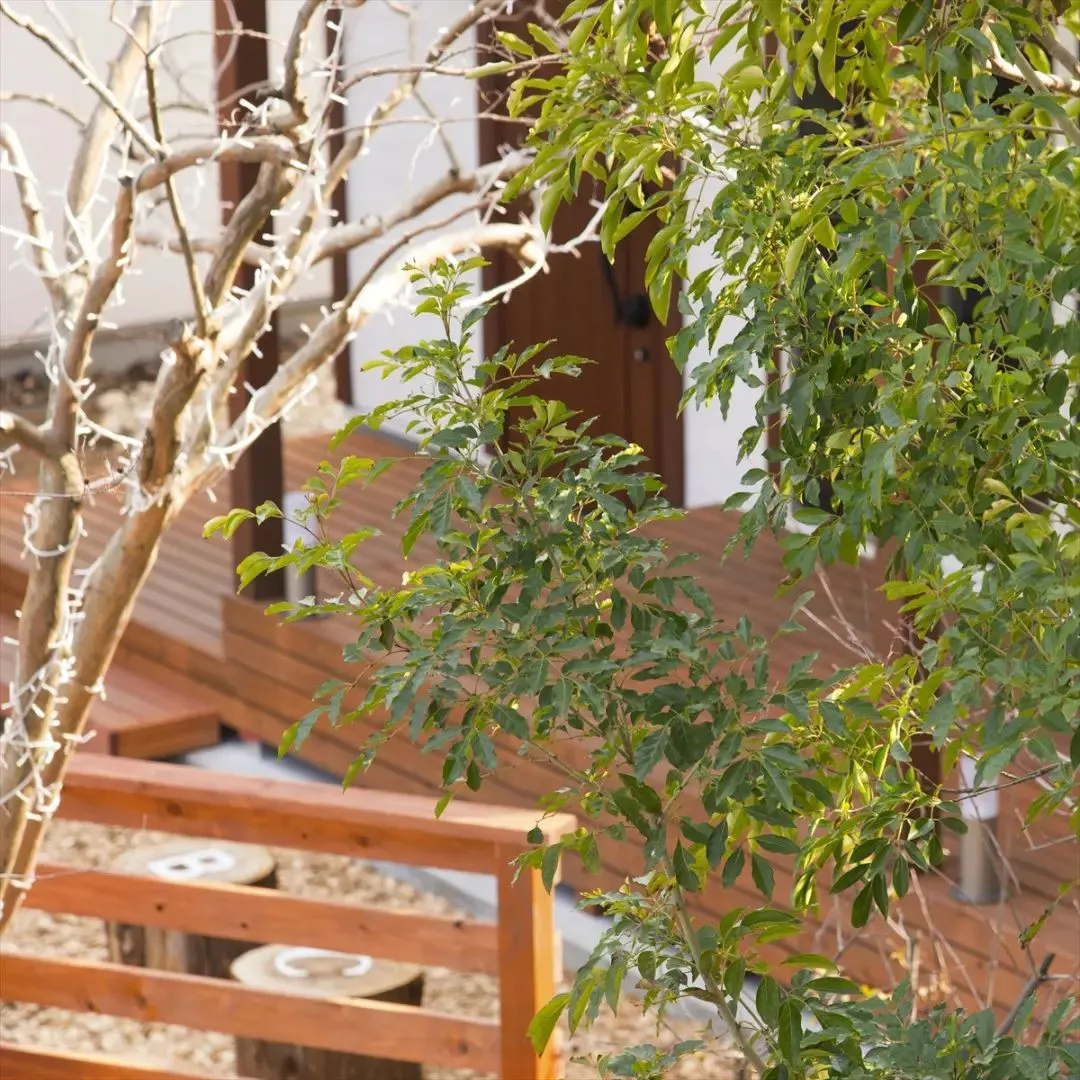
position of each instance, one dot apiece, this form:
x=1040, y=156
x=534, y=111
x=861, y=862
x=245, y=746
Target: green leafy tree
x=844, y=167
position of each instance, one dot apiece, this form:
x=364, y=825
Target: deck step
x=136, y=717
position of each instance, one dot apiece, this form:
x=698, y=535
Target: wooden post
x=259, y=474
x=189, y=859
x=529, y=969
x=321, y=973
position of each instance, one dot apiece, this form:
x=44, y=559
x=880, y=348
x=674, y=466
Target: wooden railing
x=520, y=948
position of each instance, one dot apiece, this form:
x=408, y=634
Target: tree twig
x=33, y=212
x=202, y=311
x=77, y=353
x=108, y=98
x=1053, y=48
x=294, y=52
x=346, y=237
x=260, y=148
x=1041, y=975
x=16, y=430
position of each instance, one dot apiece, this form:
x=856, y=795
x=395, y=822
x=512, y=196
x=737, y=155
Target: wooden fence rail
x=520, y=948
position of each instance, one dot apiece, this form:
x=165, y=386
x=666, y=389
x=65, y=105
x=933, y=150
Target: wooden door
x=596, y=311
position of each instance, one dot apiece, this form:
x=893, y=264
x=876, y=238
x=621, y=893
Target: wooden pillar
x=188, y=859
x=258, y=477
x=320, y=973
x=529, y=969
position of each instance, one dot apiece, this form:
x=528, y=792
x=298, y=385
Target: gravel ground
x=306, y=874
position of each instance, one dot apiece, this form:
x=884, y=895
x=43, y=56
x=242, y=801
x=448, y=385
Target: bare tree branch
x=71, y=626
x=346, y=237
x=253, y=255
x=258, y=148
x=108, y=98
x=1038, y=81
x=46, y=100
x=1041, y=976
x=294, y=52
x=202, y=311
x=33, y=212
x=77, y=353
x=16, y=430
x=1053, y=48
x=480, y=10
x=351, y=235
x=1021, y=71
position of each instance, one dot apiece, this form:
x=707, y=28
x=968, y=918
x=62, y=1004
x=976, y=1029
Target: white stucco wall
x=156, y=289
x=405, y=156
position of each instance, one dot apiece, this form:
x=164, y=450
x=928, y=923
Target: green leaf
x=684, y=871
x=833, y=984
x=912, y=18
x=901, y=876
x=860, y=908
x=789, y=1031
x=649, y=753
x=514, y=43
x=227, y=524
x=767, y=1000
x=413, y=533
x=780, y=845
x=733, y=867
x=265, y=511
x=543, y=1023
x=812, y=961
x=793, y=257
x=549, y=865
x=510, y=720
x=762, y=874
x=717, y=842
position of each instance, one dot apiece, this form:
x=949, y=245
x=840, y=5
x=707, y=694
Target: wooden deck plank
x=134, y=717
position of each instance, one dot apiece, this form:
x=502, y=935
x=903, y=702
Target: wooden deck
x=192, y=634
x=135, y=717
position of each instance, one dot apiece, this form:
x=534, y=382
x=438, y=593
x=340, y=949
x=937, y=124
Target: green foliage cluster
x=843, y=165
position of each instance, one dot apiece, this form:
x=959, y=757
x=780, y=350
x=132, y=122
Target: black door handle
x=633, y=310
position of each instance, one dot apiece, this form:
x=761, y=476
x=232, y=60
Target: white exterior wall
x=405, y=156
x=156, y=288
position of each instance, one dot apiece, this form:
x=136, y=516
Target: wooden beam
x=288, y=813
x=241, y=913
x=378, y=1029
x=259, y=476
x=24, y=1063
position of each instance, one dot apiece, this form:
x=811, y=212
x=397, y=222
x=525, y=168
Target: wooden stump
x=330, y=975
x=188, y=859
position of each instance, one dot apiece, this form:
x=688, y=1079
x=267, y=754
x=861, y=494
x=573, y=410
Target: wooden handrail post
x=528, y=968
